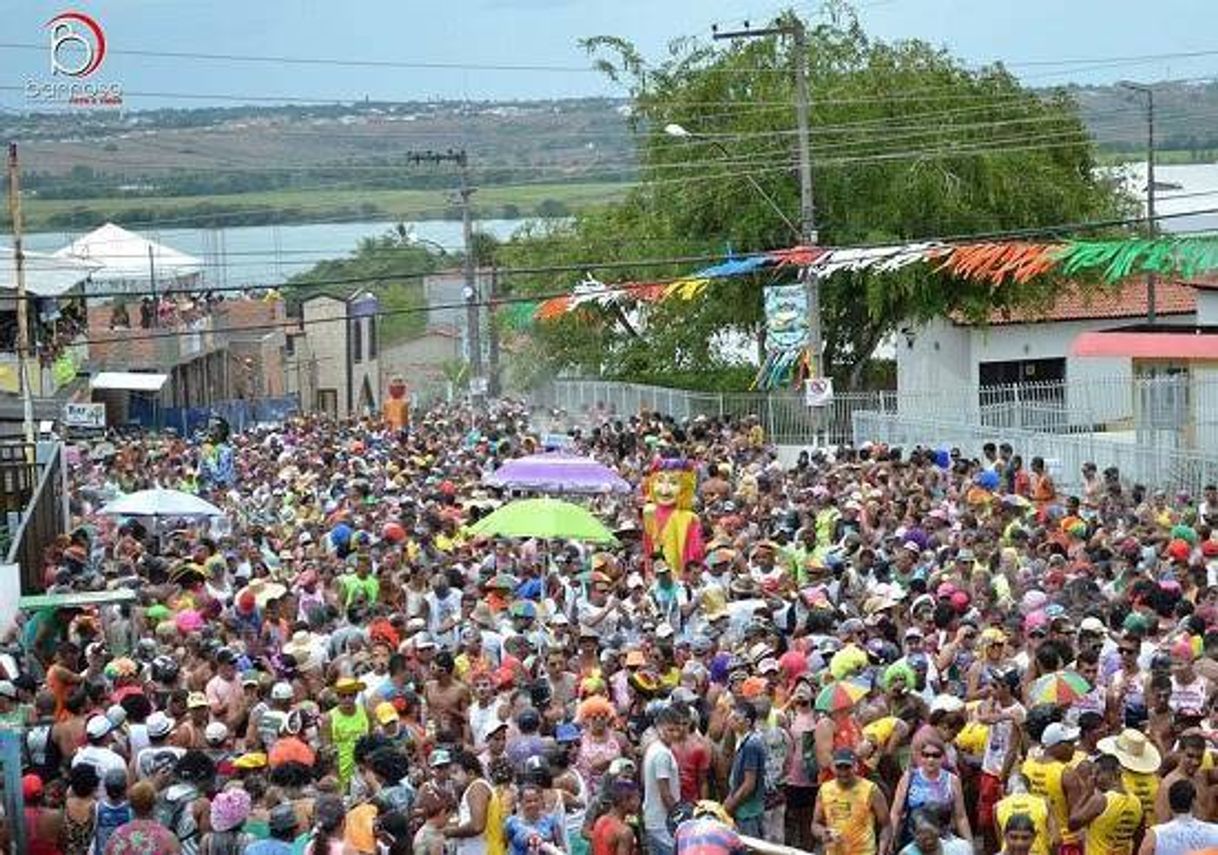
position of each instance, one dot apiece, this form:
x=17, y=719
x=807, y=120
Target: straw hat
x=1135, y=752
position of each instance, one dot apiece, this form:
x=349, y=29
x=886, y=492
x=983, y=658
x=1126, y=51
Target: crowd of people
x=871, y=651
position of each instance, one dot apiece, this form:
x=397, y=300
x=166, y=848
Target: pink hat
x=1035, y=620
x=945, y=590
x=229, y=809
x=960, y=601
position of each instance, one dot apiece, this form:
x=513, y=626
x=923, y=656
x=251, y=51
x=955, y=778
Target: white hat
x=159, y=725
x=117, y=715
x=98, y=727
x=424, y=641
x=1134, y=751
x=664, y=630
x=216, y=732
x=769, y=665
x=492, y=727
x=634, y=580
x=1092, y=624
x=946, y=703
x=912, y=546
x=8, y=689
x=282, y=691
x=1057, y=733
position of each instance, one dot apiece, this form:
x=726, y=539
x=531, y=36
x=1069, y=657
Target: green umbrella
x=548, y=518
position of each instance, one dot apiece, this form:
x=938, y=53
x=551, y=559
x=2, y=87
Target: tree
x=907, y=144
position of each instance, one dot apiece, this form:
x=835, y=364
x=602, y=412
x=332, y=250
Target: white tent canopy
x=123, y=256
x=161, y=503
x=45, y=275
x=130, y=381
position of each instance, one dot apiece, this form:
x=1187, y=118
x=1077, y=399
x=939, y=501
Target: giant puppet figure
x=670, y=527
x=396, y=408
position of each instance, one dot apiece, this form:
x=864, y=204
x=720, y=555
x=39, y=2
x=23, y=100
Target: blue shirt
x=519, y=832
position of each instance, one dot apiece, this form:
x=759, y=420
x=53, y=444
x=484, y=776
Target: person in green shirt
x=344, y=725
x=746, y=783
x=361, y=584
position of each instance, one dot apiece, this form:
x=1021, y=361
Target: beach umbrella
x=557, y=473
x=161, y=503
x=839, y=695
x=1060, y=687
x=551, y=519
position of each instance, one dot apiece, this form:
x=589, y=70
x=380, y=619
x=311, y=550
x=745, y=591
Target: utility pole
x=23, y=317
x=156, y=308
x=792, y=26
x=1149, y=92
x=492, y=343
x=464, y=193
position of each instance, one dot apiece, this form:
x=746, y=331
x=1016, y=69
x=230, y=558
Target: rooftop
x=1126, y=300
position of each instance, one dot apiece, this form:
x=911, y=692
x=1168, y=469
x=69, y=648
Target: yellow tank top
x=1035, y=807
x=496, y=841
x=848, y=812
x=1112, y=832
x=1144, y=786
x=1045, y=780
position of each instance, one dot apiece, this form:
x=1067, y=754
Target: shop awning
x=1186, y=345
x=129, y=381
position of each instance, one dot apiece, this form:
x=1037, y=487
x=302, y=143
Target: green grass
x=285, y=206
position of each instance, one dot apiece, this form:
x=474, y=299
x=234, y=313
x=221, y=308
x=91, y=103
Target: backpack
x=172, y=811
x=41, y=751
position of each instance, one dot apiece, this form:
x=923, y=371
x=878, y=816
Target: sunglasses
x=932, y=755
x=1129, y=651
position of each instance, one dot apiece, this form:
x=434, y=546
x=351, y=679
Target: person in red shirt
x=611, y=835
x=693, y=755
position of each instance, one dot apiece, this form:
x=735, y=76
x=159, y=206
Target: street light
x=1142, y=89
x=681, y=132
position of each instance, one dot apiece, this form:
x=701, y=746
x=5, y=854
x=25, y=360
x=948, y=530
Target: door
x=327, y=402
x=1024, y=393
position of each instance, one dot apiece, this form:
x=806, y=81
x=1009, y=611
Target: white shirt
x=101, y=759
x=659, y=770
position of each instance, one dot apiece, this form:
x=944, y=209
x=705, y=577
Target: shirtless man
x=447, y=698
x=69, y=732
x=1188, y=768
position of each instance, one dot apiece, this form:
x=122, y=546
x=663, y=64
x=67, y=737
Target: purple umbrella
x=557, y=473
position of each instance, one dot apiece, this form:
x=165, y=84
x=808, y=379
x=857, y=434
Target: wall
x=327, y=344
x=936, y=360
x=419, y=360
x=1207, y=306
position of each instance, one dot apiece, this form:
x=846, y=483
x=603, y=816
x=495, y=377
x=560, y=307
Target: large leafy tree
x=906, y=143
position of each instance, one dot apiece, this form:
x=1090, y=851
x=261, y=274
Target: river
x=267, y=255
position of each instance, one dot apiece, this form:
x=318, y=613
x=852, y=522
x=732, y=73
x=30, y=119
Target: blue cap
x=567, y=732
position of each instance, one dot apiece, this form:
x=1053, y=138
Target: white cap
x=768, y=665
x=98, y=727
x=1092, y=624
x=492, y=727
x=159, y=725
x=217, y=731
x=664, y=630
x=423, y=641
x=634, y=580
x=282, y=691
x=1057, y=733
x=946, y=703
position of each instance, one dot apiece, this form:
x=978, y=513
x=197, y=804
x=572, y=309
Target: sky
x=1026, y=34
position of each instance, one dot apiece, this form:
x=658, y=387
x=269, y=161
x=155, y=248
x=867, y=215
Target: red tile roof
x=1128, y=300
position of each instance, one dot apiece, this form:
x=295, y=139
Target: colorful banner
x=787, y=360
x=991, y=262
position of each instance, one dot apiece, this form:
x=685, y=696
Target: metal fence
x=1158, y=466
x=44, y=516
x=1174, y=411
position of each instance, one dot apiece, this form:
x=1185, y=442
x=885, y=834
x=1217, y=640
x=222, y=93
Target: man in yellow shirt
x=1052, y=774
x=1110, y=815
x=1019, y=801
x=848, y=810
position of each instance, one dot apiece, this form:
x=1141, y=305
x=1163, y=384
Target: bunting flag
x=994, y=263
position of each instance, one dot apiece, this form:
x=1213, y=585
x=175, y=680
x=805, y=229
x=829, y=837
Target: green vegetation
x=890, y=166
x=303, y=206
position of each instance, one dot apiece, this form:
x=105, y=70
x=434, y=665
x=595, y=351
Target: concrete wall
x=419, y=360
x=1207, y=306
x=326, y=335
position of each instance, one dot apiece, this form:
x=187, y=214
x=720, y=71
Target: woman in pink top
x=599, y=745
x=801, y=769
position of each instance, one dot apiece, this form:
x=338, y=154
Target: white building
x=1030, y=354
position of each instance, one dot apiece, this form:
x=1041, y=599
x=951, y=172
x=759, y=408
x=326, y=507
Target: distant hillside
x=248, y=165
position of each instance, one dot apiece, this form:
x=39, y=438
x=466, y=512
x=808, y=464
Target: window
x=372, y=338
x=356, y=326
x=289, y=346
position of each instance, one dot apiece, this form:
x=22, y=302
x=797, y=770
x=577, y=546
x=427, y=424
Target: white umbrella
x=161, y=503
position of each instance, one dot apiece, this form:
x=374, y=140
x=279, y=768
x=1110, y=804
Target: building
x=1019, y=361
x=332, y=362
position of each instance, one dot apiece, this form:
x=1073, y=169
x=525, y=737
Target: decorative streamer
x=989, y=262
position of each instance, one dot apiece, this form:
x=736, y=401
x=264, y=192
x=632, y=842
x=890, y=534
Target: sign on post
x=818, y=392
x=85, y=415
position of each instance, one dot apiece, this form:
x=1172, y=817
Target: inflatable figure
x=396, y=408
x=670, y=527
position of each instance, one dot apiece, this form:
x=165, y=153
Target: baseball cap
x=424, y=641
x=98, y=727
x=386, y=712
x=196, y=700
x=282, y=691
x=492, y=727
x=1092, y=624
x=844, y=757
x=566, y=732
x=159, y=724
x=1057, y=733
x=217, y=731
x=31, y=787
x=439, y=757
